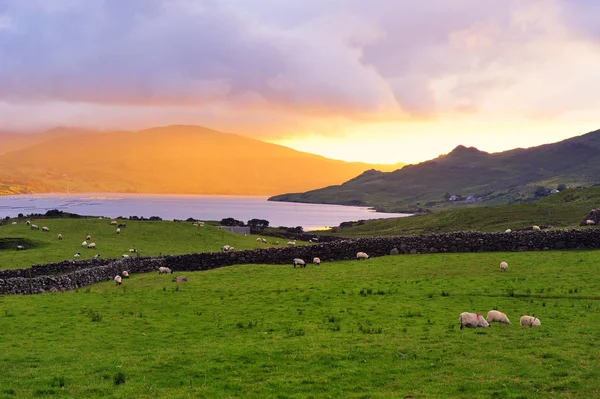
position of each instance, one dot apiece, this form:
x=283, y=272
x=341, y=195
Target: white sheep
x=264, y=240
x=299, y=262
x=60, y=236
x=88, y=237
x=96, y=256
x=494, y=315
x=316, y=261
x=195, y=224
x=34, y=227
x=472, y=320
x=125, y=256
x=84, y=244
x=77, y=255
x=276, y=242
x=535, y=228
x=132, y=250
x=92, y=245
x=118, y=231
x=291, y=243
x=125, y=274
x=361, y=255
x=28, y=223
x=201, y=224
x=508, y=231
x=113, y=222
x=14, y=223
x=164, y=270
x=259, y=239
x=226, y=248
x=117, y=280
x=20, y=247
x=589, y=222
x=530, y=321
x=503, y=266
x=44, y=228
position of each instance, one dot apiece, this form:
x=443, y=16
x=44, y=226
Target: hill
x=489, y=179
x=562, y=210
x=172, y=159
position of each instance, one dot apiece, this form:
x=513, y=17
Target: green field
x=383, y=328
x=149, y=238
x=562, y=210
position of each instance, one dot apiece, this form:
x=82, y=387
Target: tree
x=257, y=225
x=446, y=196
x=231, y=222
x=541, y=192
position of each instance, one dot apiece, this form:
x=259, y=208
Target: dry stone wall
x=70, y=275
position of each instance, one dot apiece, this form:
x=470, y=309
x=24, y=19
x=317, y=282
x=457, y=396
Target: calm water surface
x=202, y=207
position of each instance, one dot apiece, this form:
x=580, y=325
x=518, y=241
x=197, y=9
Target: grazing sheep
x=113, y=222
x=118, y=231
x=259, y=239
x=133, y=250
x=316, y=261
x=34, y=227
x=195, y=224
x=589, y=222
x=535, y=227
x=125, y=274
x=117, y=280
x=361, y=255
x=264, y=240
x=164, y=270
x=14, y=223
x=77, y=255
x=472, y=320
x=494, y=315
x=28, y=223
x=530, y=321
x=122, y=225
x=125, y=256
x=299, y=262
x=276, y=242
x=503, y=266
x=60, y=236
x=508, y=231
x=226, y=248
x=97, y=256
x=84, y=244
x=92, y=245
x=88, y=237
x=44, y=228
x=201, y=224
x=291, y=243
x=20, y=247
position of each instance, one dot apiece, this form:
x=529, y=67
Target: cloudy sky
x=379, y=80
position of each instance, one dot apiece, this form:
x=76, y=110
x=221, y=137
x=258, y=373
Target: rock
x=394, y=251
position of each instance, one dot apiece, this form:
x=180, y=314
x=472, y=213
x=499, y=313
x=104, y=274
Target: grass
x=150, y=238
x=384, y=328
x=563, y=210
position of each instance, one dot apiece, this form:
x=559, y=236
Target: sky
x=378, y=81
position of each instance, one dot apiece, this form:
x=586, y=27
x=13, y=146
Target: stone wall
x=69, y=274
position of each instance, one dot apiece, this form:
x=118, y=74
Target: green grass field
x=383, y=328
x=150, y=238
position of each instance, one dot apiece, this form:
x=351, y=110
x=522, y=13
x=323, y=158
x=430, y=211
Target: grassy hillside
x=171, y=159
x=564, y=209
x=148, y=237
x=493, y=178
x=384, y=328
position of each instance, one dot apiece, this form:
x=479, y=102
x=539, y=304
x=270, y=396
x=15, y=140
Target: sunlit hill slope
x=173, y=159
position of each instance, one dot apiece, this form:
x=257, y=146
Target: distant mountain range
x=467, y=176
x=172, y=159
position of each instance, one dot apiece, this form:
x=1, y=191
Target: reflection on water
x=202, y=207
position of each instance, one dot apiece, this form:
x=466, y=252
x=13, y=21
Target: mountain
x=172, y=159
x=488, y=179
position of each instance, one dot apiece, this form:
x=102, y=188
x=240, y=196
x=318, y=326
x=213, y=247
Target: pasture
x=382, y=328
x=149, y=238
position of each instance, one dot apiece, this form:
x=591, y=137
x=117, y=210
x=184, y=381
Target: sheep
x=276, y=242
x=34, y=227
x=92, y=245
x=589, y=222
x=179, y=279
x=264, y=240
x=259, y=239
x=472, y=320
x=164, y=270
x=361, y=255
x=125, y=256
x=77, y=255
x=201, y=224
x=118, y=231
x=88, y=237
x=97, y=256
x=535, y=228
x=125, y=274
x=20, y=247
x=122, y=225
x=291, y=243
x=84, y=244
x=299, y=262
x=113, y=222
x=494, y=315
x=195, y=224
x=226, y=248
x=14, y=223
x=117, y=280
x=530, y=321
x=133, y=250
x=28, y=223
x=508, y=231
x=60, y=236
x=316, y=261
x=503, y=266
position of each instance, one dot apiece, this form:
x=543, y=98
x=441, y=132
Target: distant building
x=236, y=229
x=554, y=191
x=470, y=198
